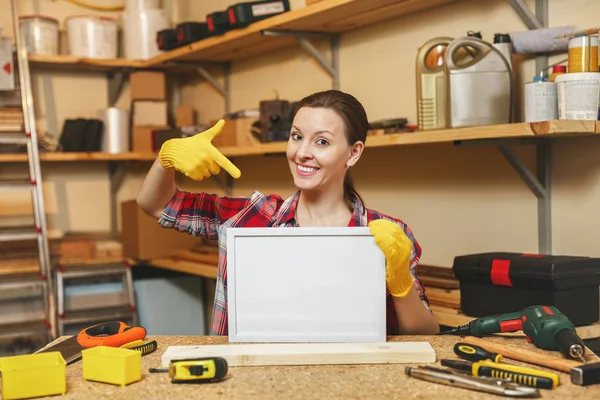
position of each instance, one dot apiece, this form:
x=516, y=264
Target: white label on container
x=540, y=102
x=578, y=99
x=267, y=8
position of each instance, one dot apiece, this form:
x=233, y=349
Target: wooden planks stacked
x=441, y=287
x=18, y=258
x=202, y=260
x=87, y=249
x=11, y=120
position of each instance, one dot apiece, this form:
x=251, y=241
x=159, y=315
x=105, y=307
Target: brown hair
x=355, y=119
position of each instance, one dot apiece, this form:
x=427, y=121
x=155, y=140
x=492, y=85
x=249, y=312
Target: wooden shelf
x=71, y=63
x=72, y=156
x=549, y=129
x=333, y=16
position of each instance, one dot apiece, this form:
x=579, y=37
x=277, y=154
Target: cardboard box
x=149, y=112
x=143, y=238
x=185, y=116
x=141, y=138
x=236, y=132
x=147, y=85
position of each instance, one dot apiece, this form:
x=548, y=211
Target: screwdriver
x=520, y=375
x=476, y=353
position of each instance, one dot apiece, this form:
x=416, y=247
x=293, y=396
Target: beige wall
x=457, y=200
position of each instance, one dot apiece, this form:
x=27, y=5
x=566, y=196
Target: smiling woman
x=327, y=137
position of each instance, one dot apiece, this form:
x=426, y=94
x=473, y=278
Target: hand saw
x=111, y=333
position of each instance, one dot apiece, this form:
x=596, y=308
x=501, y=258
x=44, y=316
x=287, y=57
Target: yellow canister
x=583, y=54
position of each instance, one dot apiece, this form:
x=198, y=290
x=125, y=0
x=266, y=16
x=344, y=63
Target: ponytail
x=350, y=192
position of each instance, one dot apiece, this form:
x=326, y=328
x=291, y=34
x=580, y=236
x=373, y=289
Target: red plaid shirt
x=202, y=214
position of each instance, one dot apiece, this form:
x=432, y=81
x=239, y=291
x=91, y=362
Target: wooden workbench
x=301, y=382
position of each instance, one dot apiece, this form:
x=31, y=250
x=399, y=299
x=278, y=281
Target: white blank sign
x=305, y=285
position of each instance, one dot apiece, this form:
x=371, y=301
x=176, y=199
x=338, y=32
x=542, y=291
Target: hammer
x=582, y=374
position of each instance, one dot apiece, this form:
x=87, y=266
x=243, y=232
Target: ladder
x=101, y=307
x=42, y=278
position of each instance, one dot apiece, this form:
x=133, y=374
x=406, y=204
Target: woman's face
x=318, y=151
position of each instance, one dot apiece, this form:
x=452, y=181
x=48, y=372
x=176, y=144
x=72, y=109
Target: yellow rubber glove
x=396, y=247
x=195, y=156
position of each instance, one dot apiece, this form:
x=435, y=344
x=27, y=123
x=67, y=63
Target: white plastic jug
x=431, y=84
x=478, y=83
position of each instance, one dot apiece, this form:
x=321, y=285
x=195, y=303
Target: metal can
x=40, y=33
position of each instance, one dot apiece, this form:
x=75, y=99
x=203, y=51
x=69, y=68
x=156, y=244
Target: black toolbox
x=218, y=23
x=496, y=283
x=246, y=13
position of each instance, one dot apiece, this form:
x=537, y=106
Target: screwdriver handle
x=522, y=375
x=475, y=353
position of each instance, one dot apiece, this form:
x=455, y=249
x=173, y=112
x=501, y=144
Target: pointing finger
x=224, y=162
x=214, y=131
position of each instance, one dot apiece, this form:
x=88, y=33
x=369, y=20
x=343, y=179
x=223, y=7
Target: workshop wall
x=457, y=200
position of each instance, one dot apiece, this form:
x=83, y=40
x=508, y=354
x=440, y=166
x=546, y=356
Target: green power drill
x=545, y=326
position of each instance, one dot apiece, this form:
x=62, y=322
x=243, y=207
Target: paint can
x=40, y=33
x=115, y=139
x=578, y=95
x=93, y=36
x=583, y=54
x=540, y=100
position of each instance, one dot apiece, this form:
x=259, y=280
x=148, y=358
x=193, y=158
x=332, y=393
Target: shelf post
x=116, y=171
x=116, y=81
x=332, y=67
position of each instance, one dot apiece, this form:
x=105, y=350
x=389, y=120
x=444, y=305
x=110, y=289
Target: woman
x=326, y=139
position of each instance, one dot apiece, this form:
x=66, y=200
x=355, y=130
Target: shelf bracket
x=200, y=66
x=116, y=82
x=116, y=172
x=332, y=67
x=539, y=184
x=534, y=21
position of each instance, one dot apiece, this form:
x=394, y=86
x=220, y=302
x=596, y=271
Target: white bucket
x=93, y=37
x=40, y=33
x=578, y=95
x=141, y=5
x=139, y=33
x=115, y=139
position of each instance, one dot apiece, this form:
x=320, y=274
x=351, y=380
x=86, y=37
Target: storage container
x=578, y=95
x=93, y=37
x=40, y=33
x=114, y=365
x=33, y=375
x=495, y=283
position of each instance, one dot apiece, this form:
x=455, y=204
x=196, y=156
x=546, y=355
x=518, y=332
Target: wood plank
x=188, y=267
x=209, y=258
x=75, y=156
x=449, y=298
x=257, y=354
x=326, y=16
x=443, y=283
x=68, y=62
x=435, y=271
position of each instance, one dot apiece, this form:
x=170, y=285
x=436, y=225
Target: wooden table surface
x=375, y=381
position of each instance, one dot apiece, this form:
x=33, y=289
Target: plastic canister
x=93, y=36
x=578, y=95
x=583, y=54
x=540, y=100
x=41, y=34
